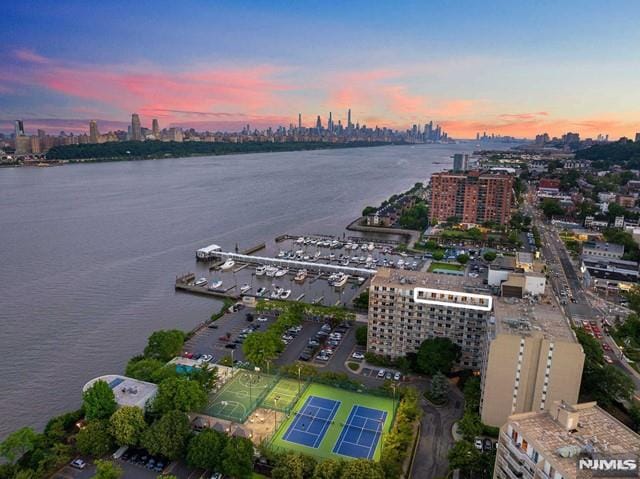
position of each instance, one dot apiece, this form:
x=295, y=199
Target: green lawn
x=445, y=266
x=347, y=401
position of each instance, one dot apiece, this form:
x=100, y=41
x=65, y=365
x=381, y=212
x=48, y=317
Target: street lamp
x=299, y=380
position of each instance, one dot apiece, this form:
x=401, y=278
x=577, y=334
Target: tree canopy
x=362, y=469
x=259, y=347
x=165, y=344
x=205, y=450
x=168, y=435
x=99, y=401
x=145, y=369
x=238, y=458
x=437, y=355
x=94, y=439
x=18, y=443
x=107, y=470
x=128, y=425
x=179, y=394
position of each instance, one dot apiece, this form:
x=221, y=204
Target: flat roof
x=410, y=279
x=602, y=246
x=527, y=316
x=127, y=391
x=503, y=262
x=595, y=427
x=524, y=257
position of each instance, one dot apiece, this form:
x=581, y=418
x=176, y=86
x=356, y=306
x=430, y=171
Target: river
x=89, y=252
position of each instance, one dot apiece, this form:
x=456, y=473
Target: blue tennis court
x=360, y=435
x=312, y=421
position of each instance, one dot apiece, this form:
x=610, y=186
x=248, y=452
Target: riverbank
x=154, y=150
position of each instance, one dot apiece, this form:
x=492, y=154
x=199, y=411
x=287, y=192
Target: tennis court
x=284, y=395
x=312, y=421
x=329, y=422
x=240, y=396
x=361, y=433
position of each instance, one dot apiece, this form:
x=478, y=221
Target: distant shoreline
x=156, y=150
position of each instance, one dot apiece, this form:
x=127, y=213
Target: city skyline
x=506, y=69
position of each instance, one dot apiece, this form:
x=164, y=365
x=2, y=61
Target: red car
x=606, y=347
x=187, y=355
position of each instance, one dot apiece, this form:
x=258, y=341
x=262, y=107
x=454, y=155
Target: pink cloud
x=29, y=56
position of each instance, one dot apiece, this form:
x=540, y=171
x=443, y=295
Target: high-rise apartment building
x=407, y=307
x=533, y=359
x=94, y=134
x=460, y=162
x=472, y=197
x=561, y=442
x=19, y=128
x=155, y=129
x=136, y=129
x=637, y=137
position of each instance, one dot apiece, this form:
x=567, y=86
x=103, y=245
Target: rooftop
x=408, y=279
x=503, y=262
x=526, y=316
x=127, y=391
x=602, y=246
x=582, y=426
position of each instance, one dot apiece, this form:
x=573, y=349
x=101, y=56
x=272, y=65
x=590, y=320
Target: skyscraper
x=330, y=124
x=460, y=162
x=155, y=128
x=299, y=121
x=637, y=137
x=19, y=128
x=93, y=132
x=136, y=129
x=318, y=123
x=349, y=125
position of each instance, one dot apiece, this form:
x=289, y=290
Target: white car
x=262, y=319
x=381, y=373
x=478, y=444
x=396, y=376
x=357, y=356
x=78, y=464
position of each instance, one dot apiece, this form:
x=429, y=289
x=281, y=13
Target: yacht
x=215, y=284
x=300, y=277
x=261, y=270
x=332, y=278
x=300, y=240
x=281, y=254
x=201, y=282
x=245, y=287
x=285, y=293
x=354, y=246
x=271, y=271
x=281, y=272
x=371, y=247
x=345, y=262
x=228, y=264
x=318, y=254
x=275, y=294
x=341, y=281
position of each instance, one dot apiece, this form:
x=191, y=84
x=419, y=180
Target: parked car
x=478, y=444
x=78, y=463
x=608, y=359
x=262, y=319
x=357, y=355
x=397, y=376
x=381, y=373
x=213, y=326
x=231, y=346
x=487, y=444
x=389, y=375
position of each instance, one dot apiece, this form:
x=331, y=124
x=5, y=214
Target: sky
x=504, y=67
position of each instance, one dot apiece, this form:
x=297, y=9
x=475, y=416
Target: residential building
x=407, y=307
x=136, y=129
x=637, y=137
x=94, y=134
x=155, y=128
x=473, y=197
x=19, y=128
x=532, y=359
x=23, y=145
x=626, y=201
x=599, y=249
x=460, y=162
x=34, y=145
x=548, y=444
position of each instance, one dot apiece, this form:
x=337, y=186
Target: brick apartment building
x=474, y=197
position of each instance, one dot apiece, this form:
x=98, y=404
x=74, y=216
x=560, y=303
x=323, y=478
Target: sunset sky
x=500, y=67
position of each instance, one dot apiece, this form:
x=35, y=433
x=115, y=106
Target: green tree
x=128, y=425
x=18, y=443
x=99, y=401
x=361, y=335
x=362, y=300
x=205, y=375
x=369, y=210
x=551, y=208
x=165, y=344
x=470, y=425
x=464, y=456
x=107, y=470
x=437, y=355
x=462, y=258
x=490, y=256
x=95, y=439
x=362, y=469
x=205, y=450
x=439, y=388
x=472, y=394
x=328, y=469
x=179, y=394
x=294, y=466
x=168, y=435
x=144, y=369
x=259, y=348
x=238, y=458
x=438, y=255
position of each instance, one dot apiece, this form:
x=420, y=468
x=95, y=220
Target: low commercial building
x=600, y=249
x=533, y=358
x=127, y=391
x=560, y=443
x=609, y=274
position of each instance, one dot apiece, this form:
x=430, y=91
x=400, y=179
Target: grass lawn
x=445, y=266
x=347, y=401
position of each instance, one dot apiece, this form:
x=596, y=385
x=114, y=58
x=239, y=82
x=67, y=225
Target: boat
x=281, y=254
x=228, y=264
x=354, y=246
x=201, y=282
x=215, y=284
x=345, y=262
x=261, y=270
x=245, y=287
x=271, y=271
x=300, y=240
x=341, y=281
x=300, y=277
x=360, y=279
x=261, y=291
x=332, y=278
x=285, y=293
x=318, y=254
x=371, y=247
x=281, y=272
x=275, y=294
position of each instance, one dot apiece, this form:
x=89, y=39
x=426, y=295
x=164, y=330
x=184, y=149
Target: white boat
x=201, y=282
x=281, y=254
x=370, y=247
x=281, y=272
x=228, y=264
x=285, y=293
x=369, y=259
x=275, y=294
x=332, y=278
x=260, y=270
x=341, y=281
x=300, y=277
x=360, y=279
x=300, y=240
x=271, y=271
x=245, y=287
x=354, y=246
x=345, y=262
x=215, y=284
x=318, y=254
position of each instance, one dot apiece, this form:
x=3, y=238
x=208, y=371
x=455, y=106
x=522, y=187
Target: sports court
x=328, y=422
x=284, y=395
x=240, y=396
x=312, y=421
x=361, y=433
